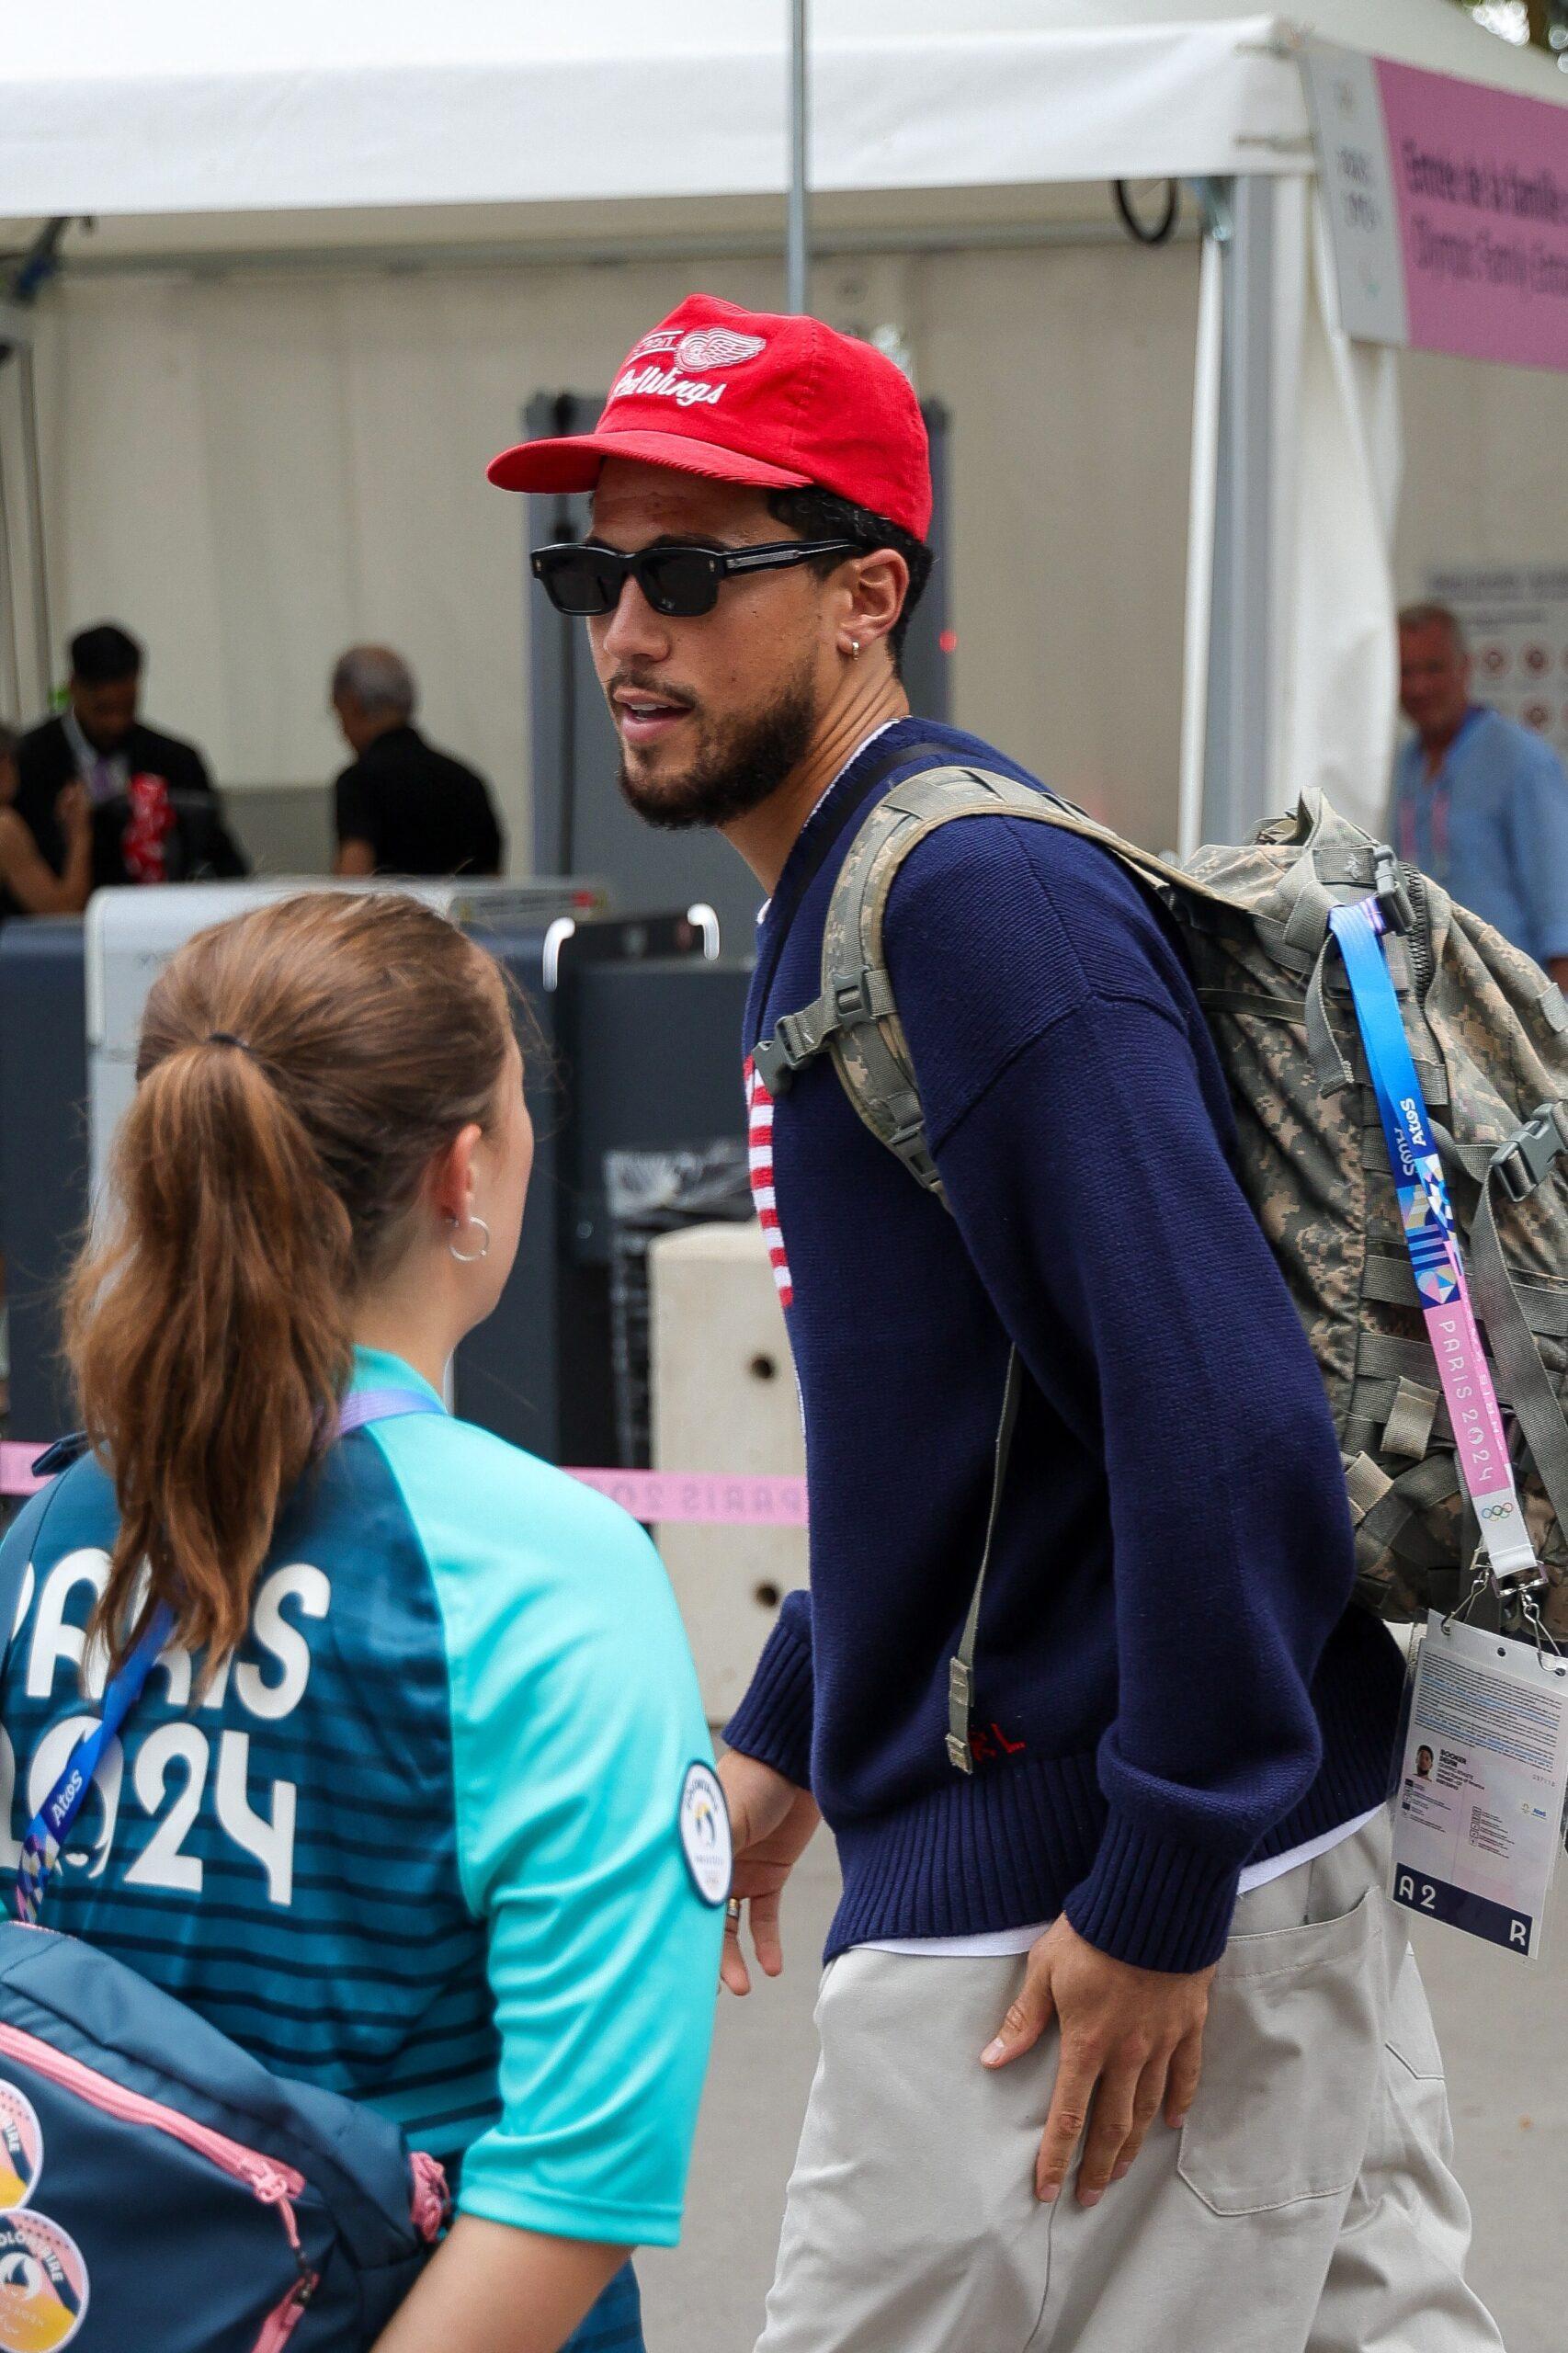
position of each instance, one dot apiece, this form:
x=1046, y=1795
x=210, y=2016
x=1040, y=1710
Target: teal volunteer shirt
x=424, y=1841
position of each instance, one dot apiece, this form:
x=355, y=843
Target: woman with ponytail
x=399, y=1810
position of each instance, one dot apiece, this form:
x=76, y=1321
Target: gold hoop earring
x=470, y=1257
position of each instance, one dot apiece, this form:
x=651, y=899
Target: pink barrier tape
x=17, y=1469
x=695, y=1498
x=702, y=1498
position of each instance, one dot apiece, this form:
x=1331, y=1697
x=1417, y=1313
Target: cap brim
x=574, y=462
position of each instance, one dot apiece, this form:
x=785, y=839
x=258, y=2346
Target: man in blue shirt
x=1479, y=803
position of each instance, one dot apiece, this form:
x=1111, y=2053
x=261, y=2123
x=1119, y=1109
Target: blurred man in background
x=1479, y=803
x=155, y=817
x=402, y=807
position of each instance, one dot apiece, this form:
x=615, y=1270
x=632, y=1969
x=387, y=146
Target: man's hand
x=772, y=1822
x=1131, y=2042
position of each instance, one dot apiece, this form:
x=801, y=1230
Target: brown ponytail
x=299, y=1070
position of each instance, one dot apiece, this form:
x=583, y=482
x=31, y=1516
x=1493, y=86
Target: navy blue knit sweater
x=1169, y=1681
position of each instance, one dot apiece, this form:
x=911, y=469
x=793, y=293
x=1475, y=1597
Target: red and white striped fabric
x=759, y=1105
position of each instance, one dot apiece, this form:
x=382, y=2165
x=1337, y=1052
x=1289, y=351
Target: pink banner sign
x=1447, y=209
x=695, y=1498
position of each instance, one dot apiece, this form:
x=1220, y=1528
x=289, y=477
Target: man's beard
x=733, y=772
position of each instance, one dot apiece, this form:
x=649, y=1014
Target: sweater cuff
x=773, y=1722
x=1153, y=1901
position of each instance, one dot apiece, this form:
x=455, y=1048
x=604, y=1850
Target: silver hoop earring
x=853, y=648
x=471, y=1257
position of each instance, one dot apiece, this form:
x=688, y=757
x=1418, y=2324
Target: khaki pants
x=1307, y=2206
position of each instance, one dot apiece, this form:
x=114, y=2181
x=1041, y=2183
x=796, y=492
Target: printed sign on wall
x=1447, y=209
x=1515, y=617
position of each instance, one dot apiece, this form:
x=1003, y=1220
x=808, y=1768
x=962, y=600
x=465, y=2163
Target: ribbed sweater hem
x=1024, y=1841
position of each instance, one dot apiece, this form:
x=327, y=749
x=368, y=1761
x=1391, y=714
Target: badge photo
x=22, y=2146
x=705, y=1838
x=43, y=2284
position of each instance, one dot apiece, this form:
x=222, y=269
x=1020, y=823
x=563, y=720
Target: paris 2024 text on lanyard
x=1483, y=1762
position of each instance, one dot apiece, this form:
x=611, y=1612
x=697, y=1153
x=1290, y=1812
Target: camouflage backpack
x=1489, y=1035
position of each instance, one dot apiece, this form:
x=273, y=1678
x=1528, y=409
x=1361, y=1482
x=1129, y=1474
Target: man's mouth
x=646, y=719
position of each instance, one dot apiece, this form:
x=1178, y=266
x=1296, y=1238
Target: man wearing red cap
x=1169, y=1814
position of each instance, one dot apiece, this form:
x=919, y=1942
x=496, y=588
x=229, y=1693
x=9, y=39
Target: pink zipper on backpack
x=273, y=2183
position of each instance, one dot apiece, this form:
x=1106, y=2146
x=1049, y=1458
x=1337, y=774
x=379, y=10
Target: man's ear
x=877, y=598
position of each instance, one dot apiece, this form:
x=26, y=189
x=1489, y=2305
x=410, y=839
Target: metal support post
x=798, y=256
x=10, y=660
x=1239, y=742
x=32, y=464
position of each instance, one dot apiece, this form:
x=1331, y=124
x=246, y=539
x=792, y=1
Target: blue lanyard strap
x=1432, y=1239
x=50, y=1826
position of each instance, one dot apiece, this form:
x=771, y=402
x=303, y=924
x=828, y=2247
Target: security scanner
x=630, y=1032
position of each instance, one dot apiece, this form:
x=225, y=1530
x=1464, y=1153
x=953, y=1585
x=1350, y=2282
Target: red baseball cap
x=752, y=397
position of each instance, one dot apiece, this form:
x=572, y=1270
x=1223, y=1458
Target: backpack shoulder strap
x=855, y=1017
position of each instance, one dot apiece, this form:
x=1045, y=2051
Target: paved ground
x=1505, y=2032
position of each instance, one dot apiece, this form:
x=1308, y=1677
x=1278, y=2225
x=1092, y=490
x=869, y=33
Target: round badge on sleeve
x=705, y=1838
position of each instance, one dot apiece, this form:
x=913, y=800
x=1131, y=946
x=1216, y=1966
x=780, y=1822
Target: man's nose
x=635, y=632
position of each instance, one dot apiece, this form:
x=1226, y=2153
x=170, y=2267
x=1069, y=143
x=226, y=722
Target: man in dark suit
x=402, y=807
x=154, y=814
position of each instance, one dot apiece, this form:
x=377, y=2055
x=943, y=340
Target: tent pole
x=11, y=671
x=43, y=627
x=797, y=253
x=1238, y=764
x=1200, y=544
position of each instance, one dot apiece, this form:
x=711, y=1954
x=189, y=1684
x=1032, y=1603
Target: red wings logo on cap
x=716, y=347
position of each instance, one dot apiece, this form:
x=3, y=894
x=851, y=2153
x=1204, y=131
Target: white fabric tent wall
x=1335, y=451
x=247, y=436
x=1337, y=673
x=253, y=473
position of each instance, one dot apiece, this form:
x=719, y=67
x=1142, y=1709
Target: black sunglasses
x=679, y=582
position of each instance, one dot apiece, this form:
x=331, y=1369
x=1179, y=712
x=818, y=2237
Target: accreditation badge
x=705, y=1838
x=1479, y=1806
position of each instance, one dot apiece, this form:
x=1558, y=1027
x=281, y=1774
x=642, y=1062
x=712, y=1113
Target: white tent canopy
x=184, y=109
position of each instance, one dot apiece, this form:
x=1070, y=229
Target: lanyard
x=1431, y=1238
x=1434, y=860
x=1439, y=803
x=50, y=1826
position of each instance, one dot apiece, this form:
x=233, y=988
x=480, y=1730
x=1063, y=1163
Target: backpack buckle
x=1393, y=899
x=852, y=999
x=60, y=1455
x=908, y=1140
x=1524, y=1161
x=776, y=1059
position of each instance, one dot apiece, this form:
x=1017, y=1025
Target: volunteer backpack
x=1488, y=1034
x=162, y=2191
